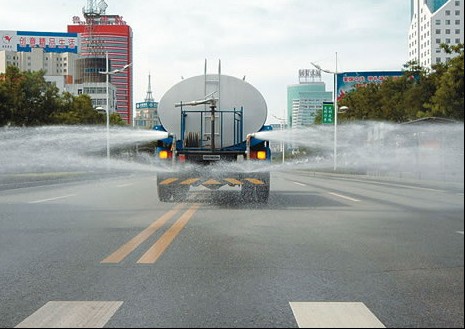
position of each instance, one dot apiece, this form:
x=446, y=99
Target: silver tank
x=230, y=93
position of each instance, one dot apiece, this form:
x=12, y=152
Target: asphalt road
x=325, y=251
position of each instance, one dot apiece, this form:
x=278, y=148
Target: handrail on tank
x=247, y=143
x=173, y=149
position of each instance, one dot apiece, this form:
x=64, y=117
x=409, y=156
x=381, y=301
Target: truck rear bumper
x=213, y=181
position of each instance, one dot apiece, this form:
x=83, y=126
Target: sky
x=267, y=41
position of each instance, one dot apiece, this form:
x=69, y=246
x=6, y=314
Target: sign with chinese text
x=50, y=42
x=146, y=105
x=348, y=81
x=328, y=113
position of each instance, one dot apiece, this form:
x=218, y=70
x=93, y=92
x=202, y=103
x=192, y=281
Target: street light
x=108, y=73
x=335, y=108
x=283, y=123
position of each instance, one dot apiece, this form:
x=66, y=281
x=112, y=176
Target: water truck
x=212, y=121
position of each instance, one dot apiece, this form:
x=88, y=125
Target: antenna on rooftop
x=149, y=96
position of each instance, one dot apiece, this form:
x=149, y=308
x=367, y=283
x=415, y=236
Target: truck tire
x=180, y=193
x=262, y=193
x=247, y=193
x=164, y=193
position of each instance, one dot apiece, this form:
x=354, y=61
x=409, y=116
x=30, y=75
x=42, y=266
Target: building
x=58, y=55
x=51, y=52
x=434, y=22
x=305, y=100
x=103, y=34
x=147, y=111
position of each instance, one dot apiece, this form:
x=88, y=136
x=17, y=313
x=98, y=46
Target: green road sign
x=328, y=113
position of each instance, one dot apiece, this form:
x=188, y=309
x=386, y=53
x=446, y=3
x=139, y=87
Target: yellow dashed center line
x=129, y=247
x=165, y=240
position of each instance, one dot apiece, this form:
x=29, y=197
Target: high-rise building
x=103, y=34
x=434, y=22
x=306, y=99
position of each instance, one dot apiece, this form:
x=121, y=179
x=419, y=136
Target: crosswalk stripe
x=72, y=315
x=334, y=315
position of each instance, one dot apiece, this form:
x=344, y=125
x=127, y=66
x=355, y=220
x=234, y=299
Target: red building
x=102, y=34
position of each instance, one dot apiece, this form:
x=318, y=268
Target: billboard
x=348, y=81
x=51, y=42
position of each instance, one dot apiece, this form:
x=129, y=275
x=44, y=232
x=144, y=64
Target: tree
x=26, y=99
x=78, y=110
x=419, y=93
x=115, y=119
x=5, y=111
x=448, y=101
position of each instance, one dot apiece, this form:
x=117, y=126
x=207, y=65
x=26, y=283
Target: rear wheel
x=180, y=193
x=247, y=192
x=164, y=193
x=257, y=192
x=263, y=193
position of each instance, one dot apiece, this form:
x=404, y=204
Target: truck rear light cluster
x=258, y=155
x=164, y=154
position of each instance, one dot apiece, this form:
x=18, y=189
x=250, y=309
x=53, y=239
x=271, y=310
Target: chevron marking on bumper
x=190, y=181
x=233, y=181
x=212, y=182
x=169, y=181
x=255, y=181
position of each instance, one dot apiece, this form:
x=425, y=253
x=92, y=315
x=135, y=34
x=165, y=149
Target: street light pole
x=335, y=117
x=335, y=73
x=283, y=123
x=108, y=73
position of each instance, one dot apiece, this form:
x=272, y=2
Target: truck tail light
x=261, y=155
x=258, y=155
x=165, y=154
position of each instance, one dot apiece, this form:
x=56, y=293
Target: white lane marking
x=53, y=199
x=392, y=184
x=71, y=315
x=125, y=185
x=334, y=315
x=344, y=197
x=460, y=232
x=300, y=184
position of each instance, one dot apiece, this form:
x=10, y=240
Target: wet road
x=325, y=251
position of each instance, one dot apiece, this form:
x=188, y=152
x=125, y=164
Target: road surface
x=325, y=251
